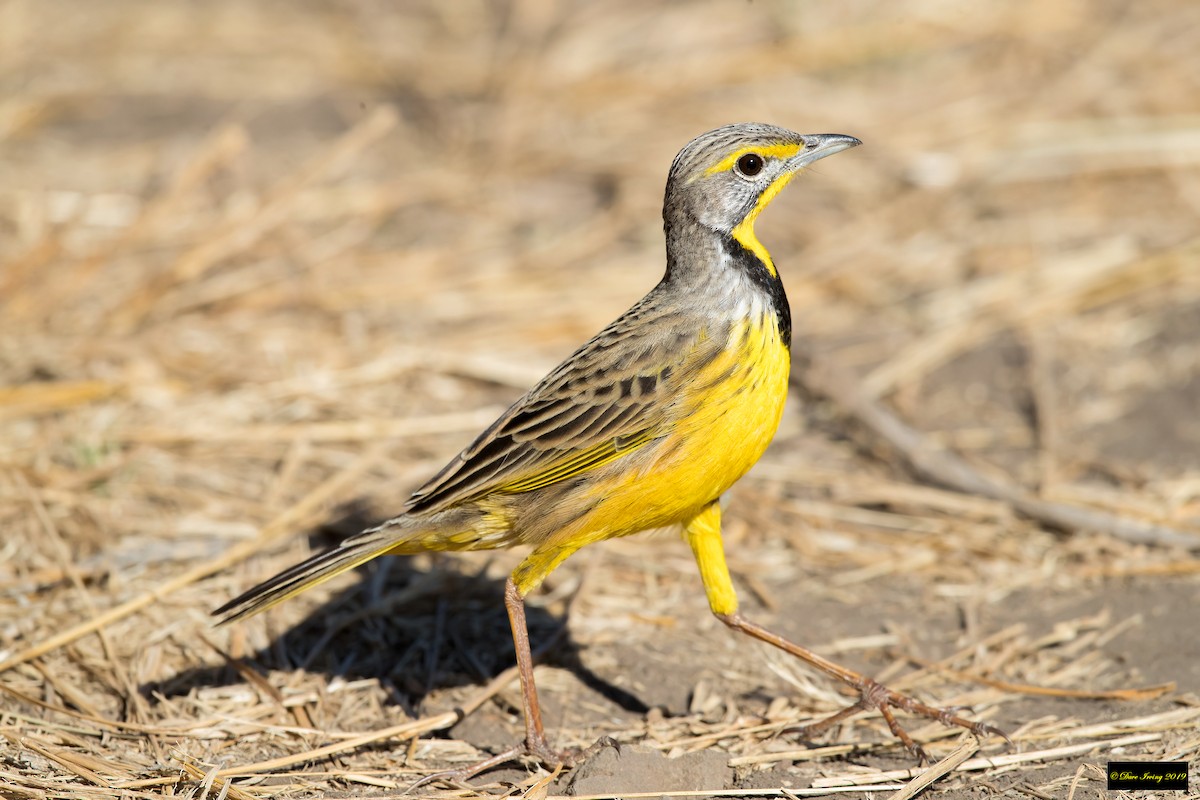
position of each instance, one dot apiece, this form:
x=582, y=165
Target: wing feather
x=606, y=401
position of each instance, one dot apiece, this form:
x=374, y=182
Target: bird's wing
x=607, y=400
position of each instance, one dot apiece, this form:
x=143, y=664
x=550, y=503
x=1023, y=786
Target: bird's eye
x=750, y=164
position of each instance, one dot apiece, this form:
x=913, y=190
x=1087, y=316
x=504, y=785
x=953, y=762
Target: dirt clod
x=640, y=769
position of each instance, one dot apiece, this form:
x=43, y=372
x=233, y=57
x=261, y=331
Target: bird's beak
x=819, y=145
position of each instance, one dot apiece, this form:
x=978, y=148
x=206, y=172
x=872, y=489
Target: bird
x=645, y=426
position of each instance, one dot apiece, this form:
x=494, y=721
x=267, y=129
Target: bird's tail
x=349, y=554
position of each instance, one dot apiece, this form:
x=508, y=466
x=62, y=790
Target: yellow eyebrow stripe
x=766, y=151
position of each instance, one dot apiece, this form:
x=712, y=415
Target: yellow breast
x=735, y=417
x=727, y=418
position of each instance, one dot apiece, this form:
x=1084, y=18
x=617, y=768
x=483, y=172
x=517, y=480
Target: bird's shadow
x=413, y=630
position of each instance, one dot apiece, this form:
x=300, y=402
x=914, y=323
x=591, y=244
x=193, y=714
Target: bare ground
x=264, y=267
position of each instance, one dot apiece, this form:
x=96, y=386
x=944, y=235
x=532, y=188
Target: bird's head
x=723, y=179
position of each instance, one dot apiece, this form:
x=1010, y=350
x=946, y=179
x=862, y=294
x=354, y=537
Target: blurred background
x=261, y=260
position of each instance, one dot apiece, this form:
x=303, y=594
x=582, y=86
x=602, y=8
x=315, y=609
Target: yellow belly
x=725, y=423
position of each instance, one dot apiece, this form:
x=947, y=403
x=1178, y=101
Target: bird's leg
x=535, y=744
x=535, y=736
x=872, y=694
x=704, y=535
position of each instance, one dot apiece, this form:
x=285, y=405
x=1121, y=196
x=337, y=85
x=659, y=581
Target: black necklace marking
x=761, y=275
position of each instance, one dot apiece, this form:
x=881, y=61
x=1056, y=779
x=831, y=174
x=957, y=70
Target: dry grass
x=263, y=267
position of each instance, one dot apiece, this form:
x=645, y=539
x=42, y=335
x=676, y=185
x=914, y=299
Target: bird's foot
x=875, y=696
x=871, y=694
x=536, y=750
